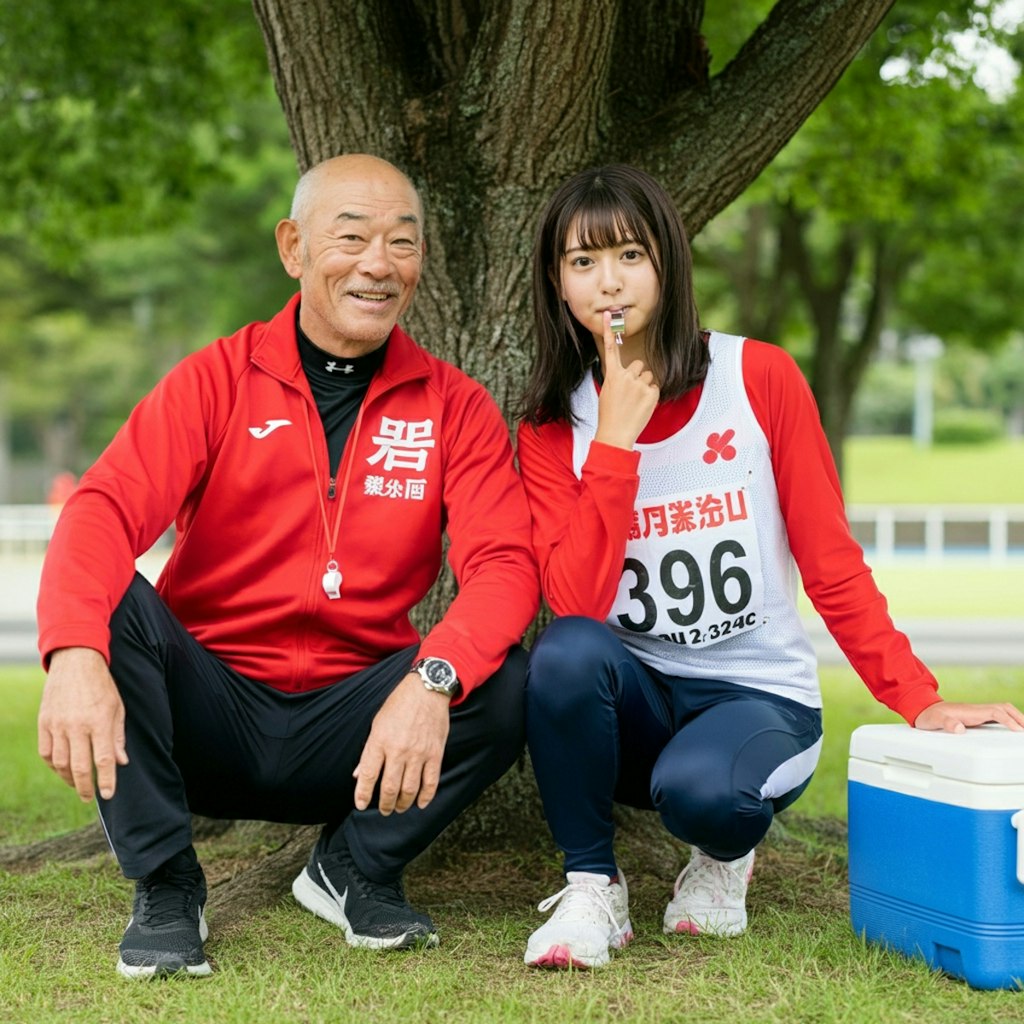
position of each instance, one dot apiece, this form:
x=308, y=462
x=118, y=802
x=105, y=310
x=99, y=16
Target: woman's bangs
x=602, y=225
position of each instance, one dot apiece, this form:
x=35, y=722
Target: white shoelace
x=581, y=899
x=715, y=878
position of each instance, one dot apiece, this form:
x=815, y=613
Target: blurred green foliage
x=895, y=208
x=147, y=160
x=967, y=426
x=114, y=115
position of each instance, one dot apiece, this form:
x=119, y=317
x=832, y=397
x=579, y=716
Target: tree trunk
x=842, y=353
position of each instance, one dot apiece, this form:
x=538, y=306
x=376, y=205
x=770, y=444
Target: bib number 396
x=691, y=606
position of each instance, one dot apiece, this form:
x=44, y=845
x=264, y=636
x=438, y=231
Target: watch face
x=439, y=672
x=438, y=675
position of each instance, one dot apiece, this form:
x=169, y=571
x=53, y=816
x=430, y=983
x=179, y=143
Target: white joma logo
x=272, y=425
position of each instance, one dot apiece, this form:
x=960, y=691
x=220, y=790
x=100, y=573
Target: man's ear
x=289, y=247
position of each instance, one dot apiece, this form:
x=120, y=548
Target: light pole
x=923, y=350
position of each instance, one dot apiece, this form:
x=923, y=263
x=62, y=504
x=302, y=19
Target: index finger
x=611, y=346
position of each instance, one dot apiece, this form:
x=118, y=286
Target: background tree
x=146, y=164
x=895, y=206
x=488, y=106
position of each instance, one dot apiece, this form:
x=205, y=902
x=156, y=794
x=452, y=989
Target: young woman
x=674, y=478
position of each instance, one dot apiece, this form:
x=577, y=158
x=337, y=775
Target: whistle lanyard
x=332, y=577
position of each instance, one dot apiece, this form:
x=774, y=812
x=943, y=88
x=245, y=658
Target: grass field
x=949, y=590
x=799, y=961
x=893, y=471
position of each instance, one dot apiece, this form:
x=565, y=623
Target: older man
x=310, y=465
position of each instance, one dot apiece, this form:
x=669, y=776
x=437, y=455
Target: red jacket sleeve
x=831, y=563
x=489, y=546
x=579, y=525
x=122, y=505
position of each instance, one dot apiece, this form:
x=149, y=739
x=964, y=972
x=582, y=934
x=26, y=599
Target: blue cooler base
x=937, y=882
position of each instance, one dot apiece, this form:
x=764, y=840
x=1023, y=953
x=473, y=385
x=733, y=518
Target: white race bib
x=692, y=573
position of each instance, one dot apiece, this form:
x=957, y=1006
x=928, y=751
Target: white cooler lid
x=988, y=754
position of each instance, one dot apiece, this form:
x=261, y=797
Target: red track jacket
x=229, y=446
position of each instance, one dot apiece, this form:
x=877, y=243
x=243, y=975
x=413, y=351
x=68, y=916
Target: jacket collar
x=277, y=352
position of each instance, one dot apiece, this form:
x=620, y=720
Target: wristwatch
x=437, y=675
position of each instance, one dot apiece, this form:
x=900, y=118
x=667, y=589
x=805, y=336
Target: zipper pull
x=331, y=491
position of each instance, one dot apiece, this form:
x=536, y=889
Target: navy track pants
x=715, y=759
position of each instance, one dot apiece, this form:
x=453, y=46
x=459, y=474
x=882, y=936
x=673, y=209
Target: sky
x=992, y=68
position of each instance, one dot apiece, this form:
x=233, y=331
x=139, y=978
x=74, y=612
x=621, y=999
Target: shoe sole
x=202, y=970
x=170, y=967
x=315, y=900
x=561, y=958
x=725, y=930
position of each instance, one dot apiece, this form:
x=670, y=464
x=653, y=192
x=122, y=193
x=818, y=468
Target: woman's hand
x=628, y=397
x=950, y=717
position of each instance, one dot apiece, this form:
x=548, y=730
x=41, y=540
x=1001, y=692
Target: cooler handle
x=1017, y=821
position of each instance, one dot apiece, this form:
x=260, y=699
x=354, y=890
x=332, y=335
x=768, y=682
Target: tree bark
x=841, y=354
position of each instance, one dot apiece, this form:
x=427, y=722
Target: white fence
x=25, y=528
x=935, y=532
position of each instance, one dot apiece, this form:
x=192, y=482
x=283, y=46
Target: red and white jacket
x=229, y=447
x=581, y=524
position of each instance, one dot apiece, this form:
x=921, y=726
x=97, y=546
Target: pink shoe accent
x=558, y=957
x=687, y=928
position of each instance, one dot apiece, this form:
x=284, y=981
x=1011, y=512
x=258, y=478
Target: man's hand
x=951, y=717
x=404, y=749
x=81, y=722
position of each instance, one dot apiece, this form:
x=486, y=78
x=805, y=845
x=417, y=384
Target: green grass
x=948, y=590
x=33, y=800
x=59, y=927
x=892, y=471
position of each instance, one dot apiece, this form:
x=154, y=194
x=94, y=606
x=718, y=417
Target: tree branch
x=713, y=141
x=659, y=53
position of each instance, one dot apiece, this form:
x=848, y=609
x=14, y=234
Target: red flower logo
x=718, y=444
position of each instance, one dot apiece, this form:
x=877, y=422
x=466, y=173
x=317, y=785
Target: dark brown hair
x=610, y=205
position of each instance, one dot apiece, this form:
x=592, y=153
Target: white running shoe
x=710, y=896
x=592, y=918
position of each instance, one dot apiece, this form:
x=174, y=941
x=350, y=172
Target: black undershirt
x=339, y=386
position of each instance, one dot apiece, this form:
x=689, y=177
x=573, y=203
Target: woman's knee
x=707, y=811
x=573, y=659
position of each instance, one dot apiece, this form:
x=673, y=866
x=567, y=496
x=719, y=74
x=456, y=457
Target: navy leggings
x=204, y=739
x=715, y=759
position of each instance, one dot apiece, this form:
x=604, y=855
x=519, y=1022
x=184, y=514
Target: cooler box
x=937, y=848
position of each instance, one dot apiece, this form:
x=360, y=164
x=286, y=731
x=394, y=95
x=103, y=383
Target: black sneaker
x=373, y=915
x=167, y=928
